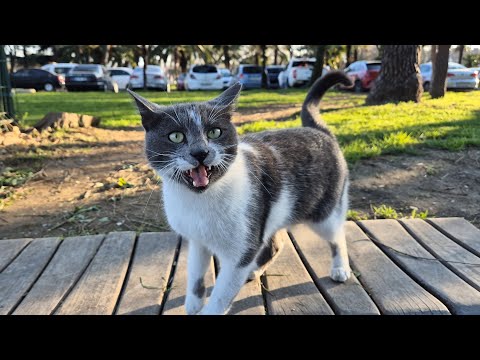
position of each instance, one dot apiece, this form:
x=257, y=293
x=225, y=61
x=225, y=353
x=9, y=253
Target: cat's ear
x=229, y=97
x=146, y=109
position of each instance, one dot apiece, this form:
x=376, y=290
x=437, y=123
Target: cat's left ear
x=145, y=107
x=228, y=99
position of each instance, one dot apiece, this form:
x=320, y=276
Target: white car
x=59, y=68
x=204, y=77
x=156, y=78
x=458, y=76
x=298, y=72
x=121, y=75
x=227, y=77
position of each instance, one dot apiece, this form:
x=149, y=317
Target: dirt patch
x=444, y=183
x=96, y=180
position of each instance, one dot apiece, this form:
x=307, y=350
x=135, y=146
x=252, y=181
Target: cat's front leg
x=229, y=282
x=199, y=259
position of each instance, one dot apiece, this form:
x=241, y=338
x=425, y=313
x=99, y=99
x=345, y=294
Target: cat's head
x=191, y=143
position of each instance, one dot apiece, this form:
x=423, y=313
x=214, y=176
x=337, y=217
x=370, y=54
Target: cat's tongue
x=199, y=176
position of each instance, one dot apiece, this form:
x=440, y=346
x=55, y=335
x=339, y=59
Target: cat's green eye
x=214, y=133
x=176, y=137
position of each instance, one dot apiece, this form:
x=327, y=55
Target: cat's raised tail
x=311, y=106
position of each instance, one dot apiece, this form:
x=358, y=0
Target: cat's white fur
x=212, y=225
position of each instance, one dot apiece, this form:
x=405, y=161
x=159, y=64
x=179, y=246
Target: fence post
x=6, y=101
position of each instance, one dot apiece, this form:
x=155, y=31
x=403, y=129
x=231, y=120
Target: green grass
x=117, y=110
x=451, y=123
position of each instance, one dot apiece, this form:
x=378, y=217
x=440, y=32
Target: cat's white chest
x=216, y=218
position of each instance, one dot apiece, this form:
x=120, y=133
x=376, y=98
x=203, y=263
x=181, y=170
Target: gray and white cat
x=228, y=196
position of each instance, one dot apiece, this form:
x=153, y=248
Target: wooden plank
x=152, y=263
x=460, y=298
x=249, y=300
x=394, y=292
x=455, y=257
x=9, y=249
x=20, y=275
x=61, y=274
x=97, y=291
x=348, y=298
x=175, y=302
x=291, y=290
x=461, y=231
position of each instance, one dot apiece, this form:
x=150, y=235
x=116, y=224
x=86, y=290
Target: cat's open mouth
x=199, y=177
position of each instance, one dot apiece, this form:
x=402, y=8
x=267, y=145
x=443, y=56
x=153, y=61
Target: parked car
x=458, y=76
x=272, y=72
x=363, y=73
x=90, y=77
x=298, y=72
x=181, y=81
x=37, y=79
x=156, y=78
x=204, y=77
x=121, y=75
x=250, y=76
x=59, y=68
x=227, y=77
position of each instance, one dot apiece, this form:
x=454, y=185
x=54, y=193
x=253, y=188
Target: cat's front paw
x=340, y=274
x=193, y=305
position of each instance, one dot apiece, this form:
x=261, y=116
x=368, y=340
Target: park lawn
x=451, y=123
x=118, y=110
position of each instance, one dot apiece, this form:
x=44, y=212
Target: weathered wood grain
x=61, y=274
x=394, y=292
x=97, y=291
x=152, y=263
x=20, y=275
x=461, y=231
x=11, y=248
x=175, y=302
x=290, y=289
x=348, y=298
x=249, y=300
x=459, y=297
x=455, y=257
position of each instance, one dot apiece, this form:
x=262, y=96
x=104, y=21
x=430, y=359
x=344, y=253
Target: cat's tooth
x=194, y=184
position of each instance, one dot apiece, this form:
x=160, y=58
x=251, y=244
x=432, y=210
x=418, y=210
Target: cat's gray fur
x=258, y=184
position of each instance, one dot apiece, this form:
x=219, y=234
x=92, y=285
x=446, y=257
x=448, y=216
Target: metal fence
x=6, y=100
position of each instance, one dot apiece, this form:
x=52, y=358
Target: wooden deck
x=401, y=267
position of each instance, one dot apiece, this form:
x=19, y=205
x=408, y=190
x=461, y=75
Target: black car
x=37, y=79
x=272, y=71
x=90, y=77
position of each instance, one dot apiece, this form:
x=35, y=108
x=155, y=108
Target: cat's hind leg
x=332, y=230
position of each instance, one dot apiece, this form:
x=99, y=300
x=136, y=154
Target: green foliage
x=420, y=215
x=385, y=212
x=356, y=215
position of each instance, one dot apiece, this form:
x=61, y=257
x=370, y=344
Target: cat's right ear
x=145, y=107
x=228, y=99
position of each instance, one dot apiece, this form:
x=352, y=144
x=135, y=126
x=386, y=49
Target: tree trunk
x=183, y=61
x=13, y=56
x=318, y=68
x=399, y=78
x=275, y=55
x=145, y=55
x=257, y=62
x=433, y=53
x=226, y=56
x=461, y=48
x=105, y=54
x=25, y=56
x=264, y=64
x=355, y=54
x=349, y=54
x=439, y=72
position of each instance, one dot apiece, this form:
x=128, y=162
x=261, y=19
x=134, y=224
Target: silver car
x=458, y=76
